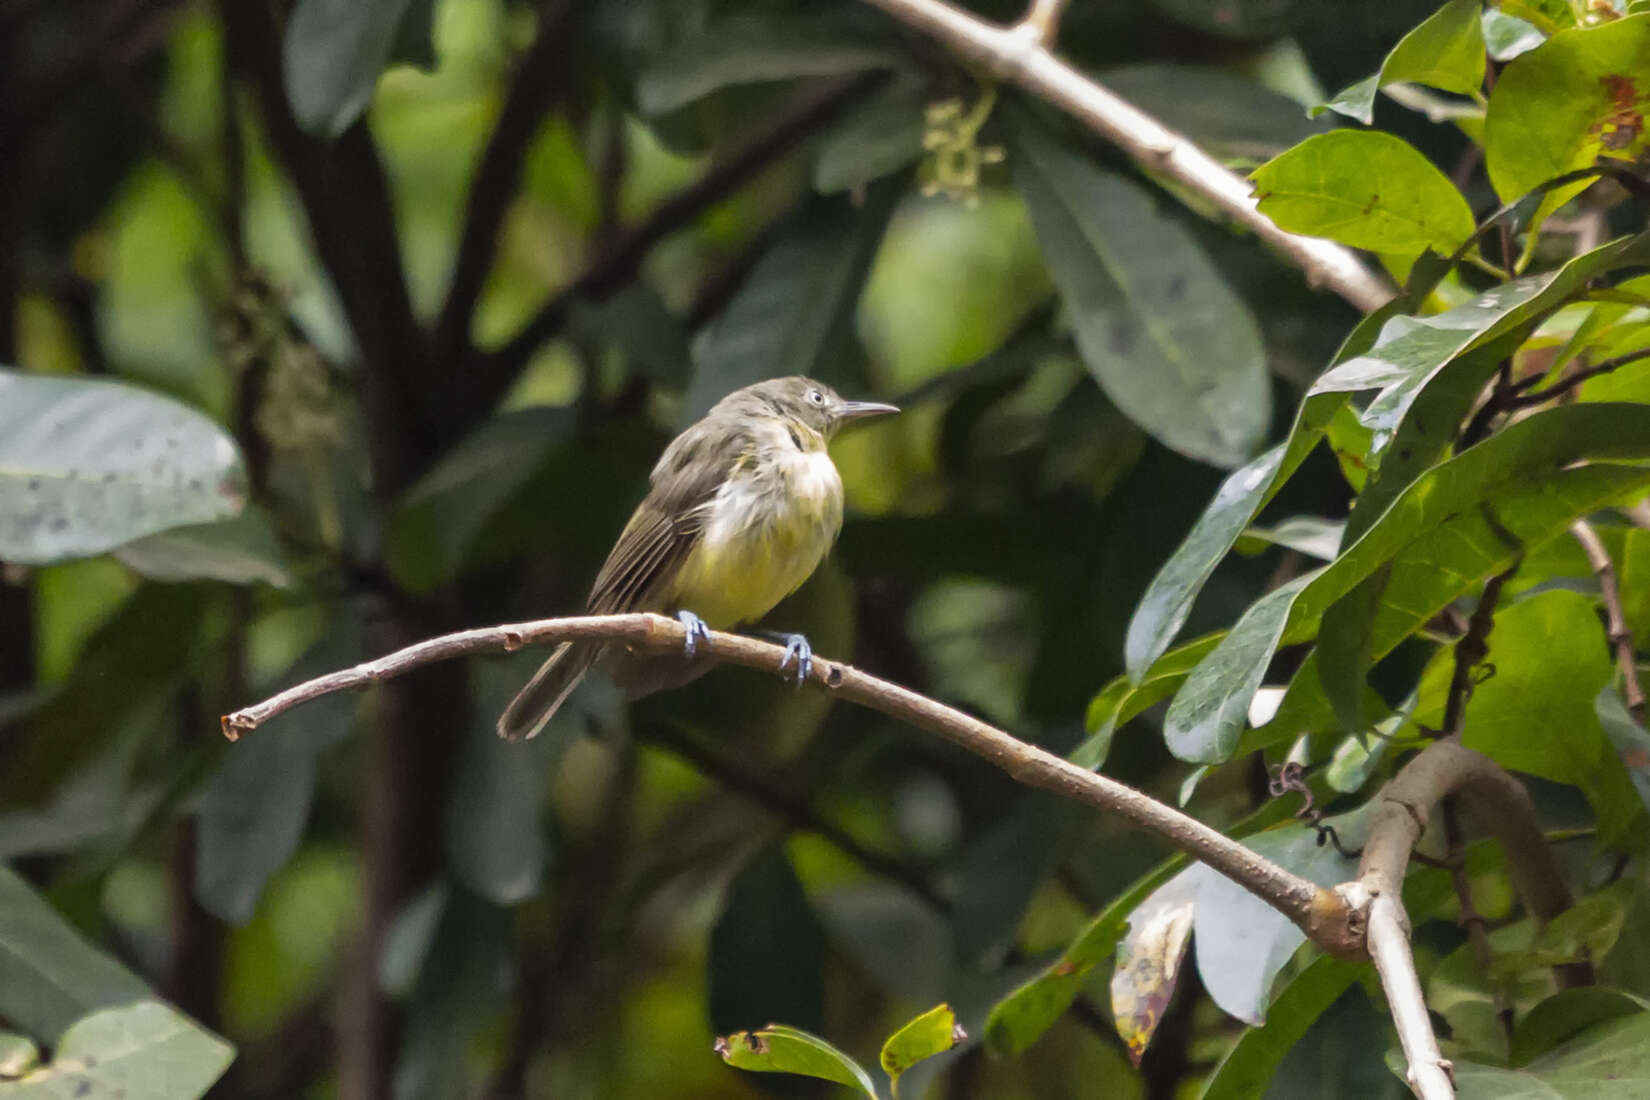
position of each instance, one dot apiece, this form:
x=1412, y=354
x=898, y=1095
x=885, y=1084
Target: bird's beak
x=859, y=410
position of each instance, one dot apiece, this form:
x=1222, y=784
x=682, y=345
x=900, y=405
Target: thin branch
x=1501, y=804
x=1571, y=381
x=1615, y=620
x=1017, y=54
x=1042, y=21
x=1474, y=645
x=616, y=267
x=1319, y=912
x=541, y=78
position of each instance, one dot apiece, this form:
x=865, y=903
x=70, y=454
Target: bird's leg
x=796, y=649
x=696, y=630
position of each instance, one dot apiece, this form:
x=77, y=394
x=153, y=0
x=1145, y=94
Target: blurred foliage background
x=451, y=274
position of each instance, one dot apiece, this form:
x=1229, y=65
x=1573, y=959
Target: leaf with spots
x=87, y=465
x=780, y=1049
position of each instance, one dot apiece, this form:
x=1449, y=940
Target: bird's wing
x=665, y=526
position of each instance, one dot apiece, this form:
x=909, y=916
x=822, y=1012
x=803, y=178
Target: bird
x=743, y=506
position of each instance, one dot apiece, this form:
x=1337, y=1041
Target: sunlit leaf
x=934, y=1032
x=89, y=464
x=1579, y=97
x=1445, y=52
x=1171, y=344
x=780, y=1049
x=1367, y=189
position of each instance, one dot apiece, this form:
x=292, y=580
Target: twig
x=540, y=78
x=614, y=269
x=1019, y=55
x=1319, y=912
x=1474, y=645
x=1615, y=620
x=1042, y=21
x=1429, y=1073
x=1571, y=381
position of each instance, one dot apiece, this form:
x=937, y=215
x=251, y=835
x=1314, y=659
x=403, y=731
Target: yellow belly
x=762, y=538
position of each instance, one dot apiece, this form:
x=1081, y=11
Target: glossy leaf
x=780, y=1049
x=243, y=550
x=49, y=976
x=1579, y=97
x=141, y=1051
x=1207, y=715
x=89, y=464
x=335, y=50
x=776, y=45
x=1506, y=36
x=791, y=315
x=1445, y=52
x=934, y=1032
x=1253, y=1060
x=1122, y=699
x=1609, y=1061
x=1171, y=344
x=1367, y=189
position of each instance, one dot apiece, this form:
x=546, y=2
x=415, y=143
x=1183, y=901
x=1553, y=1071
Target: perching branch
x=1021, y=55
x=1615, y=620
x=1322, y=915
x=1501, y=804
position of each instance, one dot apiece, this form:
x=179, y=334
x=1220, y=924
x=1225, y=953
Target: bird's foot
x=797, y=649
x=697, y=631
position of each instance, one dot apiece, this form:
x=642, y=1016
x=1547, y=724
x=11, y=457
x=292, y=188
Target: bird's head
x=806, y=401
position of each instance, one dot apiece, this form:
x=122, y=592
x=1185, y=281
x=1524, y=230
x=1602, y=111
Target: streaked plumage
x=743, y=507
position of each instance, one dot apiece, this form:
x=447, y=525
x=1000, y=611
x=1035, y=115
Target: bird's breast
x=765, y=531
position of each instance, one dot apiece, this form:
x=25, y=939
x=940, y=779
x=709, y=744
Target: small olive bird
x=743, y=507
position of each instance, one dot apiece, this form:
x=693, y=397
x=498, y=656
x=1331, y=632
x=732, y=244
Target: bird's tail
x=535, y=704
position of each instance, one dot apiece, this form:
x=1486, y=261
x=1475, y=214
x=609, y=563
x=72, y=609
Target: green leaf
x=142, y=1051
x=876, y=139
x=1207, y=715
x=1171, y=344
x=780, y=1049
x=49, y=975
x=1579, y=97
x=1445, y=52
x=791, y=315
x=1364, y=188
x=335, y=49
x=1609, y=1061
x=776, y=45
x=1506, y=36
x=1123, y=699
x=1628, y=737
x=86, y=465
x=934, y=1032
x=1547, y=16
x=1566, y=1014
x=243, y=550
x=1250, y=1063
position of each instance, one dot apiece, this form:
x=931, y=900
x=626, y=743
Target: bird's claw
x=696, y=631
x=797, y=649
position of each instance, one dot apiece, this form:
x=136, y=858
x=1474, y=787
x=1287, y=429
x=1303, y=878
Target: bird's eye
x=816, y=397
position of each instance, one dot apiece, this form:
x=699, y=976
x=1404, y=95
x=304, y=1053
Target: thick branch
x=1318, y=912
x=1018, y=54
x=1615, y=620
